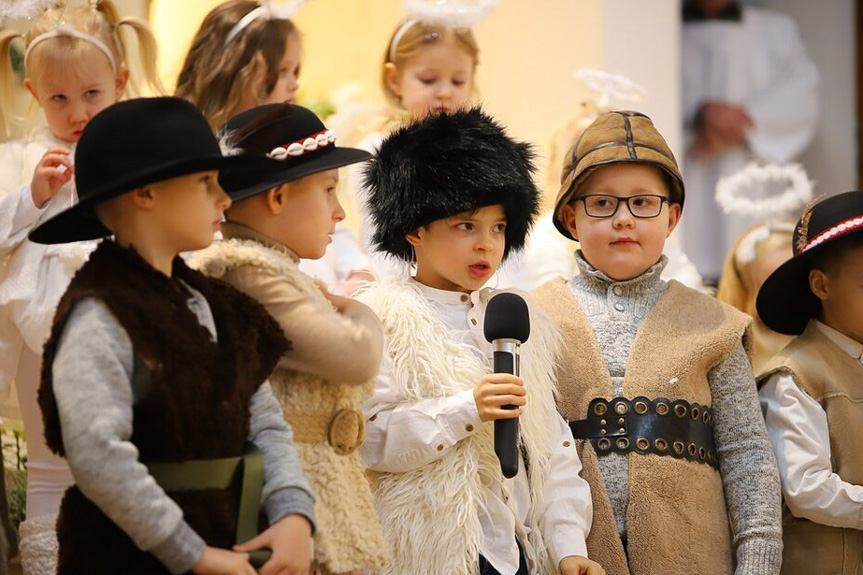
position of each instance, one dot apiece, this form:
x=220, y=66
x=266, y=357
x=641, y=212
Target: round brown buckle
x=660, y=444
x=604, y=444
x=623, y=443
x=347, y=431
x=678, y=447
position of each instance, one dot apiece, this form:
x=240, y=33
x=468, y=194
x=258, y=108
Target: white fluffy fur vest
x=429, y=514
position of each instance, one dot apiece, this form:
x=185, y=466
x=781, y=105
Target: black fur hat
x=444, y=165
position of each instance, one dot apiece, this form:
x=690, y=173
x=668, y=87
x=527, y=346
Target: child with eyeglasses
x=655, y=380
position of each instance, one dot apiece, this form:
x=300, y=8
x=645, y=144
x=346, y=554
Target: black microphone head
x=507, y=317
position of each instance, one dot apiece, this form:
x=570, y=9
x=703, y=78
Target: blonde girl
x=74, y=66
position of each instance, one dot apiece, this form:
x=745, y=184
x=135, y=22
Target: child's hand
x=52, y=171
x=496, y=390
x=223, y=562
x=290, y=539
x=354, y=281
x=339, y=302
x=578, y=565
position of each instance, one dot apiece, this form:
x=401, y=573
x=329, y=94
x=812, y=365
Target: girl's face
x=622, y=246
x=70, y=96
x=285, y=90
x=437, y=78
x=310, y=213
x=462, y=252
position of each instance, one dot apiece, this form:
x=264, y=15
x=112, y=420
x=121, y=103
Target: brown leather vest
x=677, y=521
x=835, y=380
x=192, y=395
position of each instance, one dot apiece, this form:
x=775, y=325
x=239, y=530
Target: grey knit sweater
x=748, y=468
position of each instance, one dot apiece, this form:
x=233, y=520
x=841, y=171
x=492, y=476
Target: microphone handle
x=506, y=430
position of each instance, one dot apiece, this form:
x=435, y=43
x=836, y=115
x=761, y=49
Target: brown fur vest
x=832, y=378
x=193, y=395
x=677, y=521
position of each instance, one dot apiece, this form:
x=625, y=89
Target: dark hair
x=830, y=256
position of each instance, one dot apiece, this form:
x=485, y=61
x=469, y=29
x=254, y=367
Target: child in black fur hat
x=154, y=381
x=454, y=193
x=811, y=391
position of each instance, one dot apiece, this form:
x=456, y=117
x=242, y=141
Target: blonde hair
x=417, y=36
x=215, y=76
x=99, y=19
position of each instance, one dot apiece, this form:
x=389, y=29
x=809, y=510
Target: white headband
x=63, y=30
x=397, y=38
x=265, y=10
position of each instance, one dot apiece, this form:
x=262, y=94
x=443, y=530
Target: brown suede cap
x=613, y=138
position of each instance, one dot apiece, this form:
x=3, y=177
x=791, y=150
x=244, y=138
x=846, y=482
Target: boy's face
x=188, y=210
x=622, y=246
x=462, y=252
x=840, y=290
x=311, y=212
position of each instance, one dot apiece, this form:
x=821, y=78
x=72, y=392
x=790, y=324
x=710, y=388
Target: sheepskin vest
x=832, y=378
x=430, y=514
x=677, y=521
x=192, y=396
x=327, y=421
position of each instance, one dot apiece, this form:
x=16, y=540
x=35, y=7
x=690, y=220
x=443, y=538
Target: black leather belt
x=661, y=426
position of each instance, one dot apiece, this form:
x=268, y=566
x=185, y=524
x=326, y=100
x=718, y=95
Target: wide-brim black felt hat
x=785, y=302
x=131, y=144
x=447, y=164
x=291, y=138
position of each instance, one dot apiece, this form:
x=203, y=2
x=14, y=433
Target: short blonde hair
x=99, y=19
x=417, y=36
x=215, y=76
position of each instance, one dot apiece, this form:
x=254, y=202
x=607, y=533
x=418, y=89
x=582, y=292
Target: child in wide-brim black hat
x=286, y=212
x=154, y=374
x=454, y=193
x=812, y=391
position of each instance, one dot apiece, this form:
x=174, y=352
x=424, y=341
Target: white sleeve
x=18, y=215
x=349, y=255
x=798, y=431
x=568, y=508
x=785, y=115
x=405, y=435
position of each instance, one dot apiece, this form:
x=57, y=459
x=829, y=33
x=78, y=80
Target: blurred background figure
x=774, y=196
x=750, y=92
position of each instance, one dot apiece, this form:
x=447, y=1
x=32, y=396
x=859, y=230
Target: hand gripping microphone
x=507, y=326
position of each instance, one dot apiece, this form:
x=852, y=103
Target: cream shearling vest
x=835, y=380
x=677, y=521
x=349, y=536
x=430, y=514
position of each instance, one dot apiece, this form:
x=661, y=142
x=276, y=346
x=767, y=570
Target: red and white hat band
x=305, y=146
x=839, y=229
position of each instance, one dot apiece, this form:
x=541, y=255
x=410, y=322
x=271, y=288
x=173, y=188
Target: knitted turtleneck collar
x=598, y=278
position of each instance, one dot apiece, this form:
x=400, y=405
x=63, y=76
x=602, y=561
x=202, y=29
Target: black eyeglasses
x=640, y=206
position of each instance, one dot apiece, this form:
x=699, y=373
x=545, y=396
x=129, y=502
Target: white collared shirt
x=405, y=436
x=800, y=436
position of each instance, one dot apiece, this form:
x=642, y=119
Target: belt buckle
x=347, y=431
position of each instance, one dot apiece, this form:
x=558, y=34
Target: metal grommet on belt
x=680, y=410
x=691, y=449
x=702, y=453
x=662, y=407
x=660, y=444
x=642, y=443
x=621, y=408
x=640, y=407
x=623, y=443
x=600, y=408
x=604, y=444
x=696, y=411
x=678, y=447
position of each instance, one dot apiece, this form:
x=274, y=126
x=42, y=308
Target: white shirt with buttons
x=401, y=436
x=800, y=436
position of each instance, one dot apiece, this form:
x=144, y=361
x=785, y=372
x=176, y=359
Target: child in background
x=72, y=71
x=811, y=391
x=154, y=384
x=455, y=193
x=283, y=213
x=246, y=54
x=655, y=379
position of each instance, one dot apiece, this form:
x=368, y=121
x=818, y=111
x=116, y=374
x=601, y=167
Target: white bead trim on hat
x=304, y=146
x=63, y=30
x=840, y=229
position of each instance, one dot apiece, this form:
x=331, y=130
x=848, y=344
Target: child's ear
x=393, y=78
x=28, y=83
x=120, y=81
x=674, y=211
x=276, y=198
x=415, y=238
x=569, y=219
x=819, y=283
x=143, y=197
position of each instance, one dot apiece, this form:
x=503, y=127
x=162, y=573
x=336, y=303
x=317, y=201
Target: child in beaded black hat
x=454, y=193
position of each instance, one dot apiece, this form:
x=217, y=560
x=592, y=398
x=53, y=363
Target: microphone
x=507, y=326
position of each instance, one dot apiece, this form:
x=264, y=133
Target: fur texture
x=444, y=165
x=193, y=396
x=430, y=514
x=348, y=536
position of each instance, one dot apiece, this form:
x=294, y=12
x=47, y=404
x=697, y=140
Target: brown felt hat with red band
x=614, y=138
